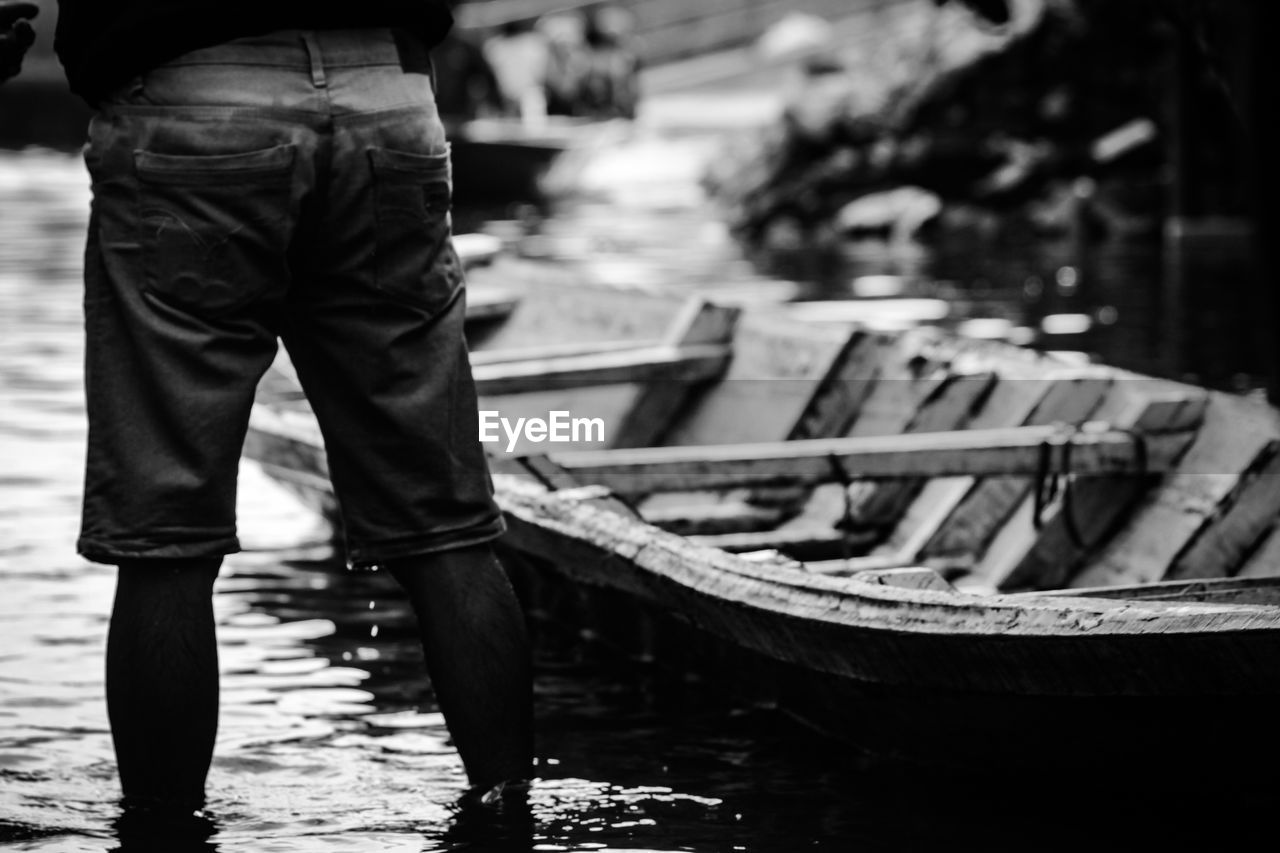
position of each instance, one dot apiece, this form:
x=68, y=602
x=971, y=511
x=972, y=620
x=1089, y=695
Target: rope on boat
x=1055, y=485
x=846, y=523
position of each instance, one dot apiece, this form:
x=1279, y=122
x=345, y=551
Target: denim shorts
x=295, y=187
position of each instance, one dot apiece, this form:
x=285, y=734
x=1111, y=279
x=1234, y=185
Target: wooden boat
x=962, y=552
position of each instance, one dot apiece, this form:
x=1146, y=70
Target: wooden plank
x=1050, y=556
x=831, y=409
x=709, y=517
x=778, y=366
x=799, y=544
x=1239, y=523
x=1235, y=432
x=1144, y=405
x=666, y=364
x=551, y=312
x=651, y=414
x=851, y=566
x=787, y=375
x=558, y=350
x=1264, y=562
x=279, y=385
x=915, y=577
x=284, y=437
x=969, y=528
x=551, y=475
x=950, y=407
x=1015, y=451
x=872, y=633
x=1020, y=391
x=1259, y=591
x=898, y=373
x=1010, y=403
x=289, y=448
x=580, y=320
x=953, y=358
x=841, y=393
x=908, y=373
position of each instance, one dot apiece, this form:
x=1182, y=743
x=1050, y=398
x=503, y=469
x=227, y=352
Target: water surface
x=329, y=738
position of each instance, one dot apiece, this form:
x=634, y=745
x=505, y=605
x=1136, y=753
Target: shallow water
x=329, y=740
x=328, y=737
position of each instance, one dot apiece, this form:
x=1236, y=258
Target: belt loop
x=317, y=63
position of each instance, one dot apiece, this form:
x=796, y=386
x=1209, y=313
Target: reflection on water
x=329, y=738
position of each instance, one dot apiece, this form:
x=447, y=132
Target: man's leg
x=477, y=653
x=162, y=680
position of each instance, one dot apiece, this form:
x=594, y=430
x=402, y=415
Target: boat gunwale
x=993, y=614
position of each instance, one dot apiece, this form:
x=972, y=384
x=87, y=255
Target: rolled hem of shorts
x=112, y=553
x=374, y=554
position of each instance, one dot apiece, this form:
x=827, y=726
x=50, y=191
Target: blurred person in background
x=611, y=88
x=519, y=56
x=568, y=63
x=271, y=170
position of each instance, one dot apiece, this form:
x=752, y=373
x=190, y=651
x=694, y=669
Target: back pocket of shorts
x=215, y=229
x=414, y=258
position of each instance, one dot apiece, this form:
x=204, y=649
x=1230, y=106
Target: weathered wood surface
x=658, y=364
x=1264, y=562
x=1021, y=382
x=1015, y=451
x=967, y=531
x=890, y=635
x=1240, y=521
x=1050, y=554
x=1214, y=515
x=1010, y=403
x=899, y=374
x=796, y=543
x=657, y=404
x=1168, y=519
x=552, y=313
x=633, y=408
x=950, y=407
x=778, y=367
x=909, y=368
x=287, y=445
x=507, y=355
x=907, y=578
x=1258, y=592
x=694, y=515
x=788, y=375
x=542, y=470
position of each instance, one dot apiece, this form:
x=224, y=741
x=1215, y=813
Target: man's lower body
x=293, y=186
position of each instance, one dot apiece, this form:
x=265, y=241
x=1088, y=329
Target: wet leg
x=162, y=680
x=477, y=654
